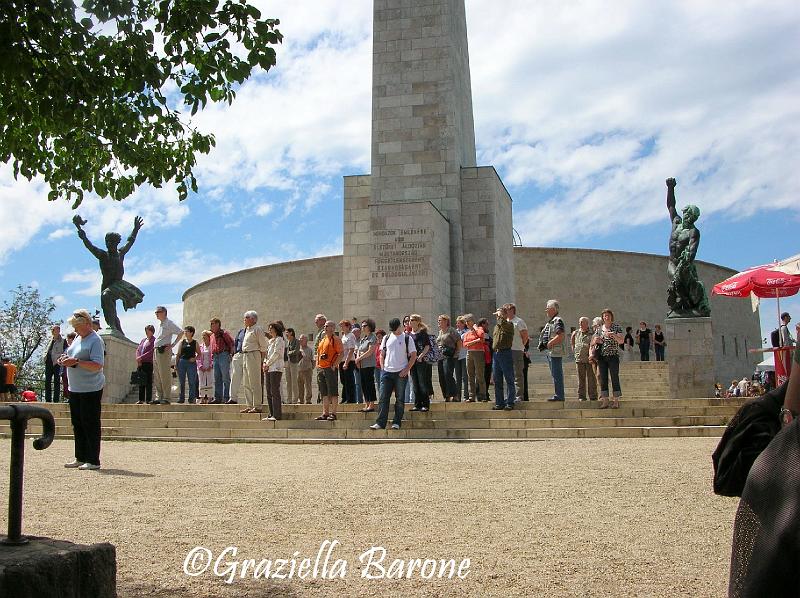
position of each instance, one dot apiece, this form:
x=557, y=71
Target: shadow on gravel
x=238, y=589
x=126, y=473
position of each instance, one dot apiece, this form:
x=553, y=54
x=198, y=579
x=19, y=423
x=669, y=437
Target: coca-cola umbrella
x=763, y=281
x=770, y=280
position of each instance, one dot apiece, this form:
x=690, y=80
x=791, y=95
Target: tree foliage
x=25, y=323
x=90, y=97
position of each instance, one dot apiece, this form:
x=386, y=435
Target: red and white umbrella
x=779, y=279
x=762, y=281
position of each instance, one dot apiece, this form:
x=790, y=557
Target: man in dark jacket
x=52, y=371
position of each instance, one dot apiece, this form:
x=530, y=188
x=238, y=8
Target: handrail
x=18, y=416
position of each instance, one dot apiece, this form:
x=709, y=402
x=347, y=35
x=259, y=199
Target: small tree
x=25, y=323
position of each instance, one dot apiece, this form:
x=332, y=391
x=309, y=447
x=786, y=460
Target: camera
x=542, y=345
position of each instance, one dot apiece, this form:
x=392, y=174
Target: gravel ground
x=555, y=518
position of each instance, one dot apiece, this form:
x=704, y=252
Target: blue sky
x=584, y=109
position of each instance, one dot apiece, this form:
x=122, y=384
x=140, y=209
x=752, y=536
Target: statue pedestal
x=690, y=346
x=120, y=362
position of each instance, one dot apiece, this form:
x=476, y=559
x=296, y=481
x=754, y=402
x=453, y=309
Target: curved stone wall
x=584, y=281
x=634, y=287
x=293, y=292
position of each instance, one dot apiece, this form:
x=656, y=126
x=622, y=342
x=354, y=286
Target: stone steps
x=289, y=436
x=637, y=418
x=199, y=419
x=498, y=421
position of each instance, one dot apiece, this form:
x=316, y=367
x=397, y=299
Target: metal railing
x=18, y=416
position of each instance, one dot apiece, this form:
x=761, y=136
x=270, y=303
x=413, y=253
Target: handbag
x=137, y=378
x=434, y=354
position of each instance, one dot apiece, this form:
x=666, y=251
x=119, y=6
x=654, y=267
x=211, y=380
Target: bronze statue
x=112, y=268
x=686, y=295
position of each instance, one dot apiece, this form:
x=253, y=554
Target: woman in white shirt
x=273, y=366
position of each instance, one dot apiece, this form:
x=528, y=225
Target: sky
x=584, y=108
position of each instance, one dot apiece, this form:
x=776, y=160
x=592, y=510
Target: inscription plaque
x=401, y=253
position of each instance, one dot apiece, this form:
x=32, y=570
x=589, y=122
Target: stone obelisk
x=427, y=231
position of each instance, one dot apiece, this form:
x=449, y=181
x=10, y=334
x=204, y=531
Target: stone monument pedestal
x=120, y=362
x=690, y=346
x=47, y=568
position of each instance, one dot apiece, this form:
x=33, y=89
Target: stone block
x=46, y=568
x=691, y=348
x=120, y=361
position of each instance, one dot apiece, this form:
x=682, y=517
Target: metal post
x=15, y=538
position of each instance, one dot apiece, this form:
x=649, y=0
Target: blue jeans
x=503, y=368
x=357, y=383
x=557, y=372
x=187, y=368
x=222, y=375
x=408, y=393
x=391, y=381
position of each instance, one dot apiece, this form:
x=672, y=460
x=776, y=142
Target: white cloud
x=585, y=90
x=32, y=212
x=308, y=117
x=263, y=209
x=89, y=278
x=60, y=233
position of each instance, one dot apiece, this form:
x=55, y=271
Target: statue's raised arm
x=137, y=224
x=79, y=222
x=673, y=213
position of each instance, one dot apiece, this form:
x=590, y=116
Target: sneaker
x=86, y=466
x=497, y=408
x=375, y=427
x=424, y=409
x=230, y=402
x=268, y=419
x=509, y=407
x=555, y=400
x=140, y=402
x=74, y=464
x=415, y=409
x=395, y=426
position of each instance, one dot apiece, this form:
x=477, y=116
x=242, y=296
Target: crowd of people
x=367, y=363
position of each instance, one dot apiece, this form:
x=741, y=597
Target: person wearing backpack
x=422, y=371
x=782, y=337
x=397, y=356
